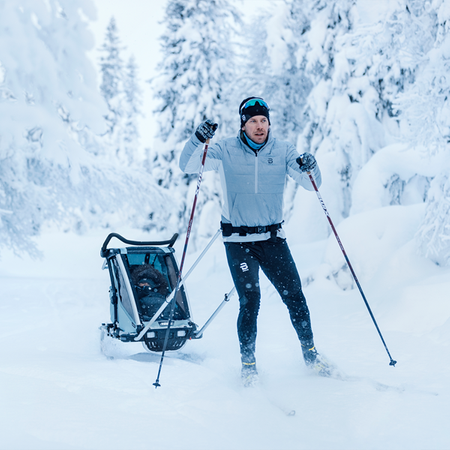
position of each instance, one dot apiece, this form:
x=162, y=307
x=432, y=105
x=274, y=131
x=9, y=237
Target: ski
x=287, y=411
x=334, y=373
x=255, y=386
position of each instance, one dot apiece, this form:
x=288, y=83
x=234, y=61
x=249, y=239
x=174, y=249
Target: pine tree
x=358, y=70
x=376, y=84
x=424, y=109
x=336, y=122
x=111, y=69
x=272, y=63
x=193, y=84
x=121, y=91
x=52, y=113
x=132, y=111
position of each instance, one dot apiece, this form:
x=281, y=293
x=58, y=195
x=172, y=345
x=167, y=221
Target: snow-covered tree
x=132, y=109
x=111, y=69
x=111, y=87
x=341, y=115
x=411, y=62
x=357, y=65
x=381, y=80
x=121, y=91
x=273, y=69
x=51, y=113
x=424, y=109
x=193, y=83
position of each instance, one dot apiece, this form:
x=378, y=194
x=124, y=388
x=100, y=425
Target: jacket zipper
x=256, y=173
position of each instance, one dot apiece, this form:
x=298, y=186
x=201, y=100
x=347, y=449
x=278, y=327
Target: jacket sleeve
x=300, y=177
x=191, y=156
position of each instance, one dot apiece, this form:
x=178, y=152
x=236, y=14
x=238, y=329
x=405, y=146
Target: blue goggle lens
x=253, y=102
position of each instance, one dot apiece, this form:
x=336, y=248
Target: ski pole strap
x=228, y=229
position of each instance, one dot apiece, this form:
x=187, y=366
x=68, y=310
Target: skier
x=253, y=167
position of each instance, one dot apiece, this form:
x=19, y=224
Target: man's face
x=257, y=128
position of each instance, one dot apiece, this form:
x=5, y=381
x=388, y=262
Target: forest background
x=96, y=102
x=362, y=86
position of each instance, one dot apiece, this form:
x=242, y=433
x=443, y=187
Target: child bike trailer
x=144, y=278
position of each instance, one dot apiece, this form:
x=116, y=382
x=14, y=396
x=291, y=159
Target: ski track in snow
x=58, y=391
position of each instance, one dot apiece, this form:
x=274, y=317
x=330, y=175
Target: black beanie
x=256, y=108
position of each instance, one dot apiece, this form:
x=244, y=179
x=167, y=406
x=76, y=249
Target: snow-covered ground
x=58, y=391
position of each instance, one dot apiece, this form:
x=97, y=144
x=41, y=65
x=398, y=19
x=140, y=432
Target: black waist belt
x=228, y=229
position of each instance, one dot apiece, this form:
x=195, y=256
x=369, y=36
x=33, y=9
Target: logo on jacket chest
x=269, y=160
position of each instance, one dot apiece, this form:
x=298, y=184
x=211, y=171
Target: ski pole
x=210, y=243
x=392, y=362
x=226, y=299
x=177, y=288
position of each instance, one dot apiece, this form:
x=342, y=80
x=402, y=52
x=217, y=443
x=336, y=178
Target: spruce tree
x=111, y=69
x=49, y=108
x=192, y=85
x=273, y=65
x=132, y=111
x=111, y=87
x=424, y=109
x=121, y=91
x=52, y=112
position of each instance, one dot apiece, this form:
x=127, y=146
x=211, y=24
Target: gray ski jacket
x=252, y=183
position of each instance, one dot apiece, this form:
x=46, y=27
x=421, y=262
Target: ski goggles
x=253, y=102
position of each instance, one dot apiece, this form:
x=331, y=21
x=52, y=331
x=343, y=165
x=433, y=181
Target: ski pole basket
x=142, y=277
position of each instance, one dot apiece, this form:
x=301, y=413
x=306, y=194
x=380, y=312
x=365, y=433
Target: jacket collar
x=244, y=139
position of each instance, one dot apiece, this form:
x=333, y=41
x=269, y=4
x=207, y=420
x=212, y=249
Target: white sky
x=139, y=25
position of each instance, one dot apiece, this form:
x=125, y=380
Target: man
x=253, y=168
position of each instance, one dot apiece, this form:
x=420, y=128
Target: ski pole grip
x=300, y=162
x=308, y=172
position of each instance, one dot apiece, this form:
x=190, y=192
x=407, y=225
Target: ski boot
x=249, y=374
x=315, y=361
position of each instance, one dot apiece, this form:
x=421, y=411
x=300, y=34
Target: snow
x=60, y=392
x=371, y=12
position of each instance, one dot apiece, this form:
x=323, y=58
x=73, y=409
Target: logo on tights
x=244, y=267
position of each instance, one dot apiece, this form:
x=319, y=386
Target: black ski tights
x=275, y=260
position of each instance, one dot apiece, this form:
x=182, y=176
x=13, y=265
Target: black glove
x=206, y=130
x=307, y=162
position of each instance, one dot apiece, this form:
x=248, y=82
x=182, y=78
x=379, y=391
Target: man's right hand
x=206, y=130
x=306, y=162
